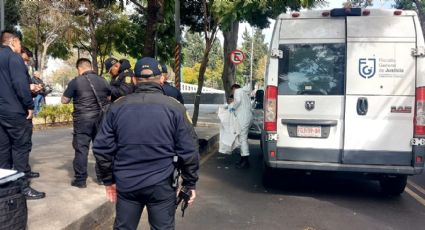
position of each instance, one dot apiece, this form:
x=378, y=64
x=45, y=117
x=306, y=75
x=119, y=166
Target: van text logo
x=401, y=109
x=309, y=105
x=367, y=67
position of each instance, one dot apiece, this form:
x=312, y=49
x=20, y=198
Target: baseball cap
x=164, y=68
x=147, y=63
x=109, y=63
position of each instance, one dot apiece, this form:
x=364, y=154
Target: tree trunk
x=155, y=15
x=201, y=78
x=93, y=40
x=229, y=69
x=43, y=59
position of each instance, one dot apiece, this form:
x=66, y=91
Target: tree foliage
x=259, y=51
x=12, y=15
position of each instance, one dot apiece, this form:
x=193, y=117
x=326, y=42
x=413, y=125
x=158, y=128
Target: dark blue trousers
x=160, y=201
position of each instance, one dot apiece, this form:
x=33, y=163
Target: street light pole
x=252, y=57
x=2, y=17
x=177, y=51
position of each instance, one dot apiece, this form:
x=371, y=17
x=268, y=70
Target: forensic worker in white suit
x=241, y=106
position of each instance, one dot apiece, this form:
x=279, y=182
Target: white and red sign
x=237, y=57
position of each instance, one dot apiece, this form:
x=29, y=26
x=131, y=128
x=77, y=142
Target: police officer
x=140, y=135
x=87, y=91
x=170, y=90
x=16, y=112
x=122, y=77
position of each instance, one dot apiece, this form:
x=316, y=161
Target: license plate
x=309, y=131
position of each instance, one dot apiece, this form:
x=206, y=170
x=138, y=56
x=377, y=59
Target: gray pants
x=160, y=201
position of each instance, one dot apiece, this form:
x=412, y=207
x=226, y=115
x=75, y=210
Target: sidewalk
x=67, y=207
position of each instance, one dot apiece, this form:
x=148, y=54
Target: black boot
x=32, y=174
x=243, y=163
x=32, y=194
x=79, y=183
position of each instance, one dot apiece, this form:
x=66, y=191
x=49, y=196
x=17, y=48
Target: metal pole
x=2, y=17
x=177, y=54
x=252, y=56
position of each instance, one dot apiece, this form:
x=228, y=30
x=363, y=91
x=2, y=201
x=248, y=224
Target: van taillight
x=270, y=109
x=398, y=12
x=420, y=112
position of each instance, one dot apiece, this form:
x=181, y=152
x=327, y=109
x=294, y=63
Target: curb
x=103, y=215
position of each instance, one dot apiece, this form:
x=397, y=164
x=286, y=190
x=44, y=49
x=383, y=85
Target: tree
x=210, y=27
x=358, y=3
x=193, y=45
x=257, y=13
x=12, y=15
x=97, y=27
x=155, y=19
x=259, y=51
x=45, y=22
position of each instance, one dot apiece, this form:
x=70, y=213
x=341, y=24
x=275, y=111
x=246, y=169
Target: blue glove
x=232, y=110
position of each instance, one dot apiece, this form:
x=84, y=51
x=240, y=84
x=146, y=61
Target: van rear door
x=380, y=91
x=311, y=78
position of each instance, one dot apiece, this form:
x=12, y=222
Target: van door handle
x=362, y=106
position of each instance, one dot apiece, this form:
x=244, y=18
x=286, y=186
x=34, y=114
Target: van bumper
x=378, y=169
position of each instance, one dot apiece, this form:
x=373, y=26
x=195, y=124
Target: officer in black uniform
x=140, y=136
x=16, y=111
x=170, y=90
x=122, y=77
x=86, y=114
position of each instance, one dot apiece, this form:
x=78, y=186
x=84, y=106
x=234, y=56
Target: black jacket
x=140, y=135
x=122, y=85
x=172, y=91
x=15, y=94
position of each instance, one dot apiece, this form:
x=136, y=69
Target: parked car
x=257, y=115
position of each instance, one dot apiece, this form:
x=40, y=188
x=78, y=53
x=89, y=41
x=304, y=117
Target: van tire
x=393, y=186
x=267, y=176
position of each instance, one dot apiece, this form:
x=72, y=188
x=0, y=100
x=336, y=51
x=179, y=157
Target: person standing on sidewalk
x=241, y=106
x=139, y=137
x=40, y=95
x=16, y=112
x=170, y=90
x=87, y=92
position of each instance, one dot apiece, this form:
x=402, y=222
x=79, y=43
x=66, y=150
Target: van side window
x=312, y=69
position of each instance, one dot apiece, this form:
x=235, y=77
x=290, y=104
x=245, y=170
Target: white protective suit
x=242, y=106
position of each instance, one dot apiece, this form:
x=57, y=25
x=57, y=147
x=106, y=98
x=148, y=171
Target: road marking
x=416, y=196
x=207, y=157
x=417, y=187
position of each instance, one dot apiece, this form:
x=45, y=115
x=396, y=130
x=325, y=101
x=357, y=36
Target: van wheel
x=393, y=186
x=267, y=176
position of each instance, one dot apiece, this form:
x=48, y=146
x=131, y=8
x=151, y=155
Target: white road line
x=416, y=196
x=417, y=187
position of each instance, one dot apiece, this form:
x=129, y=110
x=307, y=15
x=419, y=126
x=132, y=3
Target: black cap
x=109, y=63
x=164, y=68
x=147, y=63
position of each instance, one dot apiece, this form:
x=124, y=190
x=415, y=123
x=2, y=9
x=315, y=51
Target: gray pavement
x=229, y=198
x=67, y=207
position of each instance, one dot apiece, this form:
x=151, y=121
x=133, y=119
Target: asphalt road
x=229, y=198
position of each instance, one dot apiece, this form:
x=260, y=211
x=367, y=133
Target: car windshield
x=312, y=69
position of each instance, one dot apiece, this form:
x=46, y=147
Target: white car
x=345, y=91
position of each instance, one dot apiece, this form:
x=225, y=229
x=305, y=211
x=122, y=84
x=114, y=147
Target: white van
x=345, y=91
